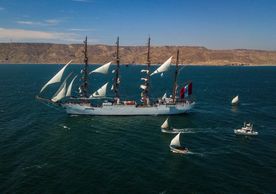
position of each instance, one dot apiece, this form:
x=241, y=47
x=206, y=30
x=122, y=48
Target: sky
x=215, y=24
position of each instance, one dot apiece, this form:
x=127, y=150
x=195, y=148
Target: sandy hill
x=40, y=53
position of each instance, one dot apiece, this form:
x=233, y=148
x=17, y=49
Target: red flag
x=186, y=90
x=190, y=88
x=182, y=92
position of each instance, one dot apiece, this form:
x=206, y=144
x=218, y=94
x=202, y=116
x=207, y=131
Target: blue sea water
x=43, y=150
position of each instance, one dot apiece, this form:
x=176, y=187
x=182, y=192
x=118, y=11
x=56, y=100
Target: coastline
x=129, y=65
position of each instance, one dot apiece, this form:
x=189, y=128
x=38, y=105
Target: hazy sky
x=215, y=24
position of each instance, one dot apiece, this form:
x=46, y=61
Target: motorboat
x=247, y=129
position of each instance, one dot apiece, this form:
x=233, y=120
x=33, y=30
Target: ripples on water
x=42, y=150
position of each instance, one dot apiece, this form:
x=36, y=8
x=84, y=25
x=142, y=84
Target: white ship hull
x=243, y=132
x=120, y=109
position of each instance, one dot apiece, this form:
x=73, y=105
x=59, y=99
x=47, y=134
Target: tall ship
x=98, y=103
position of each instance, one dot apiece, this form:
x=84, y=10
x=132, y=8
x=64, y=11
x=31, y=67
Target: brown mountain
x=40, y=53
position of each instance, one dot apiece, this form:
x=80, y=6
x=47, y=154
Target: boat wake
x=36, y=166
x=65, y=127
x=195, y=153
x=74, y=115
x=174, y=130
x=192, y=130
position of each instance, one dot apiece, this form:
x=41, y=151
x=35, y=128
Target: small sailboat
x=176, y=147
x=247, y=129
x=235, y=100
x=165, y=127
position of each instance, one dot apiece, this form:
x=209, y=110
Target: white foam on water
x=37, y=166
x=195, y=153
x=74, y=115
x=64, y=127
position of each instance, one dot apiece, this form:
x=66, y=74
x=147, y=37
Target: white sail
x=235, y=100
x=164, y=67
x=144, y=79
x=61, y=93
x=102, y=69
x=164, y=96
x=56, y=78
x=69, y=89
x=143, y=87
x=101, y=92
x=175, y=141
x=165, y=125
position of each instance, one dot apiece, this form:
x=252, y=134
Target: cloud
x=52, y=21
x=27, y=22
x=21, y=35
x=48, y=22
x=81, y=29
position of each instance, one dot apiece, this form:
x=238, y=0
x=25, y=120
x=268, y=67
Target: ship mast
x=117, y=79
x=147, y=81
x=84, y=85
x=175, y=76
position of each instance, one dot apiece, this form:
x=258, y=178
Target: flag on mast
x=186, y=90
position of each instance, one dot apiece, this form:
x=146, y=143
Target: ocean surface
x=43, y=150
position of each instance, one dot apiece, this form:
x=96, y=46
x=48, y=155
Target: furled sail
x=69, y=89
x=56, y=78
x=101, y=92
x=102, y=69
x=235, y=100
x=144, y=71
x=164, y=67
x=61, y=93
x=175, y=141
x=165, y=125
x=143, y=87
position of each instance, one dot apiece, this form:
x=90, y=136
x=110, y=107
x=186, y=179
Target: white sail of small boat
x=176, y=141
x=165, y=125
x=164, y=67
x=176, y=147
x=103, y=69
x=56, y=78
x=69, y=89
x=235, y=100
x=101, y=92
x=61, y=93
